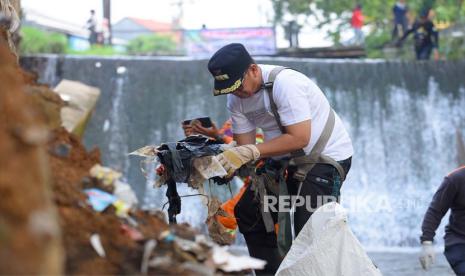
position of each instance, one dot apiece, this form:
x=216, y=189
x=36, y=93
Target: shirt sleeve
x=240, y=123
x=291, y=99
x=438, y=207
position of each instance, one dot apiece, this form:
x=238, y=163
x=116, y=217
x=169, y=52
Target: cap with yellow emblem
x=228, y=66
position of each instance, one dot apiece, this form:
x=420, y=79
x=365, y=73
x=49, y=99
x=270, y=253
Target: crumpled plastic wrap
x=125, y=193
x=327, y=246
x=147, y=151
x=205, y=168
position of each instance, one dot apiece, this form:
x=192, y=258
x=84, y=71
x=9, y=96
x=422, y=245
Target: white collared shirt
x=298, y=99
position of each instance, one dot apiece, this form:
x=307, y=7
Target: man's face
x=248, y=86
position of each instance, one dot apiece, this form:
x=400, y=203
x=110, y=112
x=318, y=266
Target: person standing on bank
x=91, y=25
x=450, y=195
x=425, y=35
x=400, y=12
x=297, y=122
x=356, y=22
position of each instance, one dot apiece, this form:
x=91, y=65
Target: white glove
x=427, y=255
x=233, y=158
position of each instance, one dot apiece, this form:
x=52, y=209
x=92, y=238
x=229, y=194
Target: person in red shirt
x=357, y=23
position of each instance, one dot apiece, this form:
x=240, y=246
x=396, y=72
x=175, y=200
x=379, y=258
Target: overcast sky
x=212, y=13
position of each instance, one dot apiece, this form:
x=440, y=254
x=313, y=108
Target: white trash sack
x=327, y=246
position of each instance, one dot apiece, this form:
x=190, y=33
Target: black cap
x=228, y=66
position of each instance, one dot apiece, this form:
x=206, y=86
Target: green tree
x=378, y=15
x=155, y=44
x=36, y=41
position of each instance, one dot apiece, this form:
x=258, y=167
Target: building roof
x=35, y=18
x=152, y=25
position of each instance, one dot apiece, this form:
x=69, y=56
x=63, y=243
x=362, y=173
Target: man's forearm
x=280, y=145
x=430, y=224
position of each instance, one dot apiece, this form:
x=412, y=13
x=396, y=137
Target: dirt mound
x=29, y=234
x=70, y=172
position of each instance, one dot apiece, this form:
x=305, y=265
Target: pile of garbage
x=106, y=233
x=64, y=213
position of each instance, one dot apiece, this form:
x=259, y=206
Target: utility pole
x=177, y=19
x=107, y=17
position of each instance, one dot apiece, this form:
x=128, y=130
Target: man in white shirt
x=293, y=120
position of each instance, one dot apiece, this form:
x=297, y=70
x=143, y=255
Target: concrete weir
x=403, y=117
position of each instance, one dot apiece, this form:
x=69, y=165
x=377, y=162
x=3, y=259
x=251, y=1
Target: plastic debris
x=216, y=230
x=131, y=221
x=62, y=150
x=97, y=245
x=133, y=233
x=122, y=209
x=148, y=249
x=228, y=262
x=205, y=168
x=160, y=261
x=177, y=157
x=193, y=247
x=65, y=98
x=124, y=192
x=98, y=199
x=81, y=100
x=199, y=255
x=107, y=175
x=209, y=167
x=167, y=236
x=147, y=151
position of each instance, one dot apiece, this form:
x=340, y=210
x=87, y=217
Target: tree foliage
x=155, y=44
x=35, y=41
x=377, y=12
x=378, y=15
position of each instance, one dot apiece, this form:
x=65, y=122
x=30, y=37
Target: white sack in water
x=231, y=263
x=327, y=246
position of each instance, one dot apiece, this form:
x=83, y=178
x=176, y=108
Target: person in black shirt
x=450, y=195
x=425, y=36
